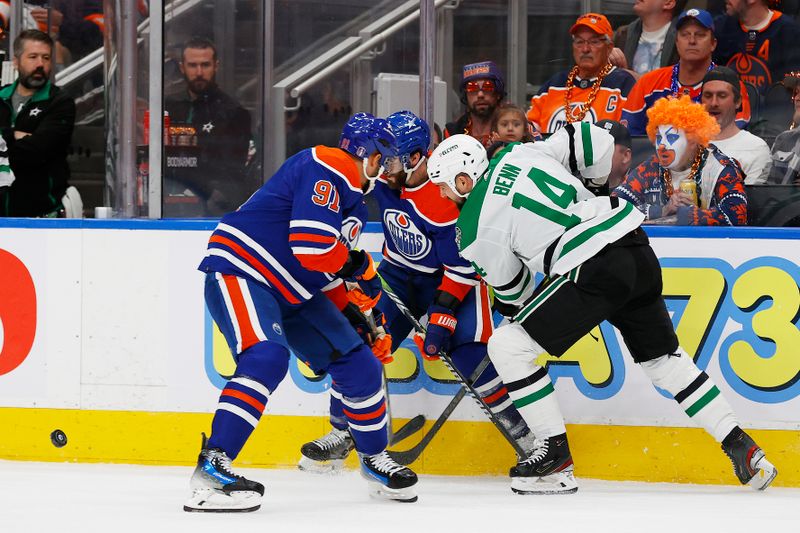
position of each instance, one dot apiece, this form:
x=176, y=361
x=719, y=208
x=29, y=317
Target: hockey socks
x=357, y=379
x=241, y=403
x=694, y=391
x=514, y=353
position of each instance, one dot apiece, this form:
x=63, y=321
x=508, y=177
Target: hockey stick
x=406, y=457
x=450, y=366
x=410, y=427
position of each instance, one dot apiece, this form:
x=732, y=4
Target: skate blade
x=379, y=491
x=766, y=473
x=214, y=501
x=558, y=483
x=332, y=467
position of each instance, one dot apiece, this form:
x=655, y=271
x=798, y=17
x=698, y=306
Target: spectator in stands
x=509, y=125
x=760, y=44
x=217, y=125
x=786, y=148
x=482, y=90
x=648, y=42
x=36, y=120
x=76, y=26
x=695, y=42
x=591, y=90
x=623, y=153
x=722, y=98
x=687, y=181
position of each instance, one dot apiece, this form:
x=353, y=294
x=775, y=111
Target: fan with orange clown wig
x=682, y=114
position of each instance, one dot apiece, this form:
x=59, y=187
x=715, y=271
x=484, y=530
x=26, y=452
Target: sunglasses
x=486, y=86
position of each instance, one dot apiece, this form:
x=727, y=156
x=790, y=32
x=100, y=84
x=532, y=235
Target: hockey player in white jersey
x=527, y=212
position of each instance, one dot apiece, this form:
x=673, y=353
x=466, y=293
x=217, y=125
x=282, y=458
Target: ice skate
x=217, y=489
x=548, y=470
x=749, y=462
x=326, y=454
x=387, y=479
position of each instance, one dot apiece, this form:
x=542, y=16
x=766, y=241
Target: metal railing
x=324, y=65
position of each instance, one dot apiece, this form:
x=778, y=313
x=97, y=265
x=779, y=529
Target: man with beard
x=593, y=89
x=482, y=89
x=205, y=116
x=36, y=120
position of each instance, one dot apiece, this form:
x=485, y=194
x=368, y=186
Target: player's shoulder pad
x=429, y=204
x=339, y=163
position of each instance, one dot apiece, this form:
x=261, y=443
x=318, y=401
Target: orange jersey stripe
x=486, y=313
x=331, y=261
x=311, y=237
x=341, y=162
x=246, y=331
x=255, y=263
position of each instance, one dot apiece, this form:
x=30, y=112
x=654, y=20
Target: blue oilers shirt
x=760, y=57
x=294, y=233
x=419, y=228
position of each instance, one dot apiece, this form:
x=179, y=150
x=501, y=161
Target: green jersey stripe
x=528, y=309
x=702, y=402
x=594, y=230
x=516, y=295
x=588, y=151
x=533, y=397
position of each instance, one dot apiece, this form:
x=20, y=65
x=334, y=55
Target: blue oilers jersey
x=419, y=232
x=760, y=57
x=295, y=232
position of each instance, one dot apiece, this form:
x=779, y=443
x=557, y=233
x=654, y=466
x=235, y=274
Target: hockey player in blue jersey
x=274, y=271
x=422, y=266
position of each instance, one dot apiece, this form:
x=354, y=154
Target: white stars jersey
x=528, y=214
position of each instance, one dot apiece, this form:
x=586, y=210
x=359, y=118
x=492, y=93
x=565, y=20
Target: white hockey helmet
x=456, y=155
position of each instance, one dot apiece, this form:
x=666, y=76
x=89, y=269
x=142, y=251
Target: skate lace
x=222, y=462
x=332, y=439
x=384, y=463
x=541, y=447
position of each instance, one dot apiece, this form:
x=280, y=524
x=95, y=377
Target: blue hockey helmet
x=364, y=134
x=413, y=135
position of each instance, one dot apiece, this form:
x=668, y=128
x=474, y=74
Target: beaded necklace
x=675, y=85
x=581, y=109
x=695, y=174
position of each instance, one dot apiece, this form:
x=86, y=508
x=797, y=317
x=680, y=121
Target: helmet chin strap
x=410, y=171
x=370, y=179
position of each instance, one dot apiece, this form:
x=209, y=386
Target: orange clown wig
x=683, y=114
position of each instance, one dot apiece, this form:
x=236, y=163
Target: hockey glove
x=441, y=325
x=372, y=333
x=357, y=296
x=360, y=268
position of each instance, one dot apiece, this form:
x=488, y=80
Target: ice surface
x=48, y=497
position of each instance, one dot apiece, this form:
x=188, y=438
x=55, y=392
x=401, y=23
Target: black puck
x=58, y=438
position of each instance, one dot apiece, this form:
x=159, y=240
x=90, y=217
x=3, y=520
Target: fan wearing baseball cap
x=593, y=89
x=696, y=42
x=722, y=97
